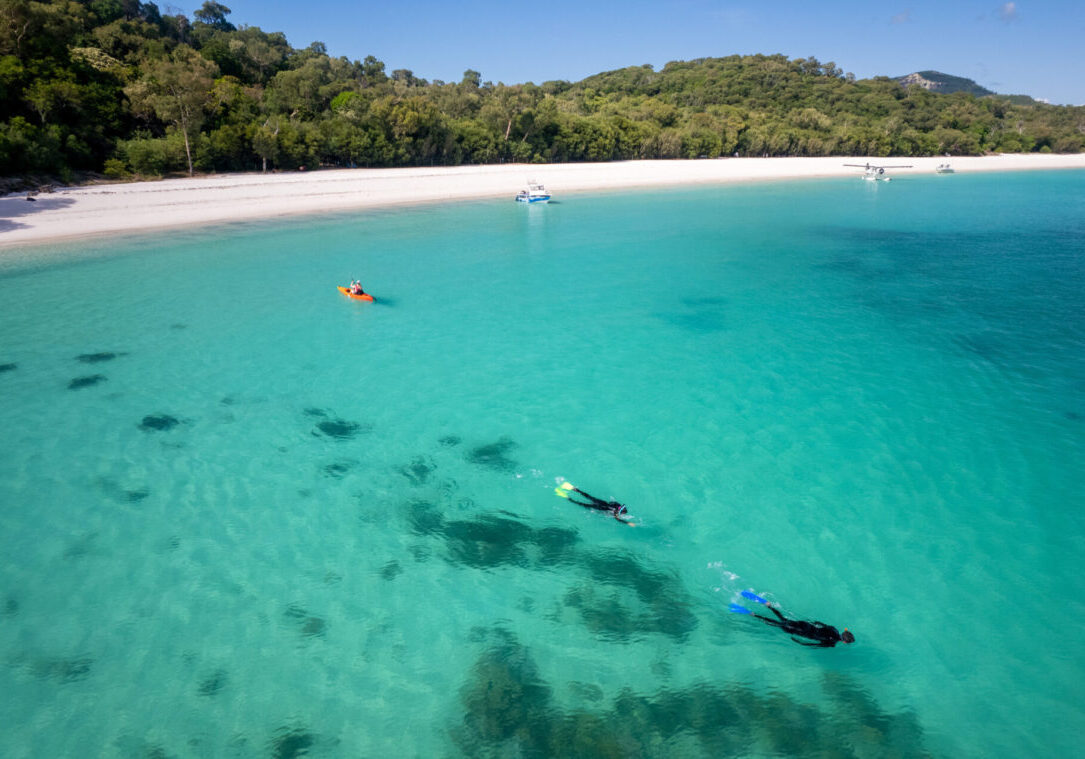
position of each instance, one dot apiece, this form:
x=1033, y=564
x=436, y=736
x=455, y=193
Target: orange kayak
x=346, y=291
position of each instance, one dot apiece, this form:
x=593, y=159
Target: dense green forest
x=117, y=87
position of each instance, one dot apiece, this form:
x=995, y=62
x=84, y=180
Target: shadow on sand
x=17, y=206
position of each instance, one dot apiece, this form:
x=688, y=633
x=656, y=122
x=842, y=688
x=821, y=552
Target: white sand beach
x=73, y=213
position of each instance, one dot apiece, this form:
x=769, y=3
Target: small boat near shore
x=944, y=168
x=535, y=193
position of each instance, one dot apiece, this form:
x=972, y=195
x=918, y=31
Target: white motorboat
x=535, y=193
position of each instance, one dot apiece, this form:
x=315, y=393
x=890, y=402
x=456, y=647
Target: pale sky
x=1028, y=47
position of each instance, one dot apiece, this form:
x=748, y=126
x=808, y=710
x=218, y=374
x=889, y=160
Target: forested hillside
x=119, y=87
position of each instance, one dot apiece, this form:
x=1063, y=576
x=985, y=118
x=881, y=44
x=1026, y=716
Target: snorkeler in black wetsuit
x=613, y=507
x=823, y=635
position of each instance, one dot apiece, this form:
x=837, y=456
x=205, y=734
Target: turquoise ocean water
x=242, y=516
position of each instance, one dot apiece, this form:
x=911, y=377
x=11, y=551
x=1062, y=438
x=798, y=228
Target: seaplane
x=873, y=173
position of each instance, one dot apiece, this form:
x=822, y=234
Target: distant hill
x=936, y=81
x=1021, y=99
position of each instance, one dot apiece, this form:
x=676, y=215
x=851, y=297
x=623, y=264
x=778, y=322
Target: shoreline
x=125, y=208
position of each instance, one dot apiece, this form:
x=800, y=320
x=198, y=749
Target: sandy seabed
x=73, y=213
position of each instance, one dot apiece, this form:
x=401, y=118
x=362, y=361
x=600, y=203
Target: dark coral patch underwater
x=510, y=710
x=8, y=368
x=291, y=743
x=621, y=597
x=494, y=455
x=90, y=381
x=419, y=470
x=213, y=683
x=308, y=625
x=119, y=493
x=340, y=429
x=391, y=570
x=334, y=427
x=63, y=670
x=97, y=358
x=491, y=541
x=339, y=469
x=158, y=422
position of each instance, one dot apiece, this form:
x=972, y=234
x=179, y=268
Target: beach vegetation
x=117, y=86
x=178, y=91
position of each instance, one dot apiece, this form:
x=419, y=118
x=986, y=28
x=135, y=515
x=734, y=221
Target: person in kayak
x=356, y=287
x=614, y=508
x=822, y=635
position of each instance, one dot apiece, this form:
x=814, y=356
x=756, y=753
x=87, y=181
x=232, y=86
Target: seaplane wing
x=873, y=166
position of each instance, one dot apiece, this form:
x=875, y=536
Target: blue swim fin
x=753, y=597
x=739, y=609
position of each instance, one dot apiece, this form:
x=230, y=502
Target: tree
x=176, y=90
x=266, y=141
x=299, y=91
x=472, y=79
x=47, y=97
x=373, y=71
x=214, y=15
x=15, y=23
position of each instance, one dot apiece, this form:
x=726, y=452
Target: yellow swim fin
x=562, y=493
x=567, y=486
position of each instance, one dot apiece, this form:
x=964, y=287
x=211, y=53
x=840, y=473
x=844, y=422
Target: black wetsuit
x=615, y=508
x=825, y=636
